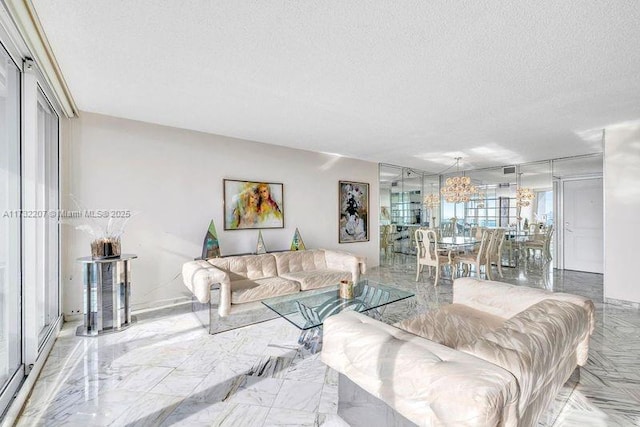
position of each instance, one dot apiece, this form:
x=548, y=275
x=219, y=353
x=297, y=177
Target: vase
x=346, y=289
x=107, y=247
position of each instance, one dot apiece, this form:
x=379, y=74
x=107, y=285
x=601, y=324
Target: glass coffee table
x=308, y=310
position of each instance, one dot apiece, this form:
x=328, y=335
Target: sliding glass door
x=11, y=371
x=47, y=228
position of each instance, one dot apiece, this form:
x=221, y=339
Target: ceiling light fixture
x=458, y=189
x=432, y=200
x=524, y=196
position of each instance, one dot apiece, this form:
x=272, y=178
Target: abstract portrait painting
x=252, y=205
x=354, y=212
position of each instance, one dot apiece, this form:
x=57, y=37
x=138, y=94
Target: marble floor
x=166, y=370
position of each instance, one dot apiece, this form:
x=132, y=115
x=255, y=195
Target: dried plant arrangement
x=106, y=228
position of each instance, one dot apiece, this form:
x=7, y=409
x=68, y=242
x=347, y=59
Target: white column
x=621, y=210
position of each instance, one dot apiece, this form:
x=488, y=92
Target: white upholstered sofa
x=227, y=292
x=497, y=356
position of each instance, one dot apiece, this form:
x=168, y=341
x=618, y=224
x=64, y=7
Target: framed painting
x=253, y=205
x=353, y=199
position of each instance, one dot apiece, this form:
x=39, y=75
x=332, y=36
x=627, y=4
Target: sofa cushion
x=453, y=325
x=247, y=266
x=256, y=290
x=295, y=261
x=315, y=279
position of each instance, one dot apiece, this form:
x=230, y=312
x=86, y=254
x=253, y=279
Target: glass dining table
x=457, y=244
x=457, y=241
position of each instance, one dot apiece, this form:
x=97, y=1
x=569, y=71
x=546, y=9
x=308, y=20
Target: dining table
x=457, y=241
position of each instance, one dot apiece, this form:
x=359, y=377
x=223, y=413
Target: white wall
x=173, y=178
x=622, y=211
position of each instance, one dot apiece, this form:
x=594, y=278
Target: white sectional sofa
x=227, y=292
x=497, y=356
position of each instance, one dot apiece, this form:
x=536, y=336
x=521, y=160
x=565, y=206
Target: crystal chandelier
x=432, y=200
x=458, y=189
x=524, y=196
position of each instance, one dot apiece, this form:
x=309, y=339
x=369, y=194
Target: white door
x=583, y=235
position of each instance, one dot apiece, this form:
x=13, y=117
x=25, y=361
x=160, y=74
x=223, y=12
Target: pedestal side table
x=107, y=295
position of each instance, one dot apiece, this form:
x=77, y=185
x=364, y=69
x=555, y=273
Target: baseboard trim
x=623, y=303
x=73, y=317
x=139, y=308
x=175, y=303
x=163, y=303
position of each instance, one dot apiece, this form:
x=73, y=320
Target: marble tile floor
x=166, y=370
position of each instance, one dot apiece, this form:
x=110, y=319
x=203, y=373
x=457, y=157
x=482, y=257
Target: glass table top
x=458, y=241
x=308, y=309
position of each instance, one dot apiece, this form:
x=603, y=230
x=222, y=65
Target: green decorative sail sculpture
x=297, y=244
x=211, y=247
x=260, y=247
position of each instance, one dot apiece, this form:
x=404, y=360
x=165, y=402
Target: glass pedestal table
x=308, y=310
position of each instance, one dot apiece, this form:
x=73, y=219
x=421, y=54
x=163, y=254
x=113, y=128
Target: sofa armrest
x=344, y=261
x=201, y=276
x=425, y=382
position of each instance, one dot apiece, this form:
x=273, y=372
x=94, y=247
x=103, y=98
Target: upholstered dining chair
x=430, y=255
x=449, y=228
x=494, y=253
x=476, y=232
x=511, y=246
x=541, y=242
x=534, y=228
x=387, y=240
x=477, y=257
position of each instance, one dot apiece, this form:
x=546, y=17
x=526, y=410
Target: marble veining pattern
x=166, y=370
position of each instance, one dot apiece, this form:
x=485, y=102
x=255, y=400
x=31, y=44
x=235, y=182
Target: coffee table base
x=311, y=339
x=308, y=312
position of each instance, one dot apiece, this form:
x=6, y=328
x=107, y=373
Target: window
x=47, y=293
x=10, y=268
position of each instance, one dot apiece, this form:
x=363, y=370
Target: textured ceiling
x=412, y=83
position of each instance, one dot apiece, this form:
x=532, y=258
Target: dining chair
x=412, y=239
x=387, y=240
x=429, y=254
x=476, y=232
x=494, y=254
x=477, y=258
x=449, y=228
x=541, y=242
x=511, y=246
